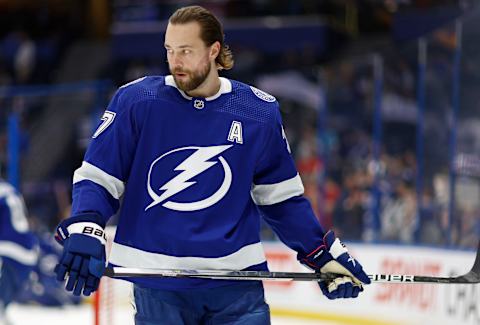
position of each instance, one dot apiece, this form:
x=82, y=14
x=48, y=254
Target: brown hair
x=211, y=31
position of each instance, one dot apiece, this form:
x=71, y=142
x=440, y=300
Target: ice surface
x=83, y=315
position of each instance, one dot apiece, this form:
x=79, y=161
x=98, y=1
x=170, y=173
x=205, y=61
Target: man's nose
x=176, y=61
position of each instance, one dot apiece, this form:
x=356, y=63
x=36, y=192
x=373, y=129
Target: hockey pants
x=239, y=304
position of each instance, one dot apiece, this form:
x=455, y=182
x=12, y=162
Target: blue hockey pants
x=11, y=281
x=239, y=304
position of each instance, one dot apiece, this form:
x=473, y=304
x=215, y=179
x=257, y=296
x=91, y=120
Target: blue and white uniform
x=18, y=246
x=193, y=177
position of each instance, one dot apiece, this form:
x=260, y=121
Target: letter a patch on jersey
x=236, y=132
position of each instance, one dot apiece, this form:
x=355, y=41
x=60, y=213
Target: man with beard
x=197, y=159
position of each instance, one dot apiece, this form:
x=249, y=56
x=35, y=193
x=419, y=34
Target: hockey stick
x=472, y=277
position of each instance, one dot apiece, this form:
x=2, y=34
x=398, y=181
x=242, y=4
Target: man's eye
x=186, y=51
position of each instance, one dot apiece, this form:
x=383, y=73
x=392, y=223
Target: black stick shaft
x=120, y=272
x=471, y=277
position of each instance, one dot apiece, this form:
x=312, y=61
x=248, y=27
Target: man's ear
x=214, y=50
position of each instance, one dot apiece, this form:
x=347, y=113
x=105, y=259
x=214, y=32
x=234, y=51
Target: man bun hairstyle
x=211, y=31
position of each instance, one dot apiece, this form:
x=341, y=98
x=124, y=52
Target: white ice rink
x=83, y=315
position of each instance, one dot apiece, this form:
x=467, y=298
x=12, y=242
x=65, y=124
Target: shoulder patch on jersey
x=263, y=95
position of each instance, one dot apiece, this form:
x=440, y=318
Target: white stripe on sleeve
x=87, y=171
x=274, y=193
x=127, y=256
x=18, y=253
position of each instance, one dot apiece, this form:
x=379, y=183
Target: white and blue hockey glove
x=83, y=241
x=333, y=257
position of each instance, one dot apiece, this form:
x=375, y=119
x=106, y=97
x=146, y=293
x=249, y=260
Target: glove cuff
x=330, y=249
x=86, y=224
x=88, y=228
x=316, y=258
x=335, y=246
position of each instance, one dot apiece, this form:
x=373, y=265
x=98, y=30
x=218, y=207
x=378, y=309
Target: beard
x=194, y=80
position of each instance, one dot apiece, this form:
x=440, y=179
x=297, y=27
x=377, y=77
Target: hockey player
x=18, y=246
x=197, y=159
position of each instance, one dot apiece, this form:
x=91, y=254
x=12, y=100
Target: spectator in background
x=25, y=57
x=331, y=194
x=466, y=229
x=430, y=228
x=309, y=166
x=351, y=207
x=398, y=218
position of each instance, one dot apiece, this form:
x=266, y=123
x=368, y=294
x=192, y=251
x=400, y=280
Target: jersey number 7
x=107, y=119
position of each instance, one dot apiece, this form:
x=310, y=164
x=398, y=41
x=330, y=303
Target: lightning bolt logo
x=195, y=164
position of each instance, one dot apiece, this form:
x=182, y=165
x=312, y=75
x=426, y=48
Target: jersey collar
x=225, y=87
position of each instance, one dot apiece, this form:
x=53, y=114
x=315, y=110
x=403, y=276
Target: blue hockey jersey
x=195, y=175
x=18, y=245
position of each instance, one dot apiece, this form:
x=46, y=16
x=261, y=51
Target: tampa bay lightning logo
x=200, y=160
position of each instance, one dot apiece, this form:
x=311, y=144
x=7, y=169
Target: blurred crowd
x=150, y=10
x=328, y=110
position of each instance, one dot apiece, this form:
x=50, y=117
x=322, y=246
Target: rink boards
x=382, y=303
